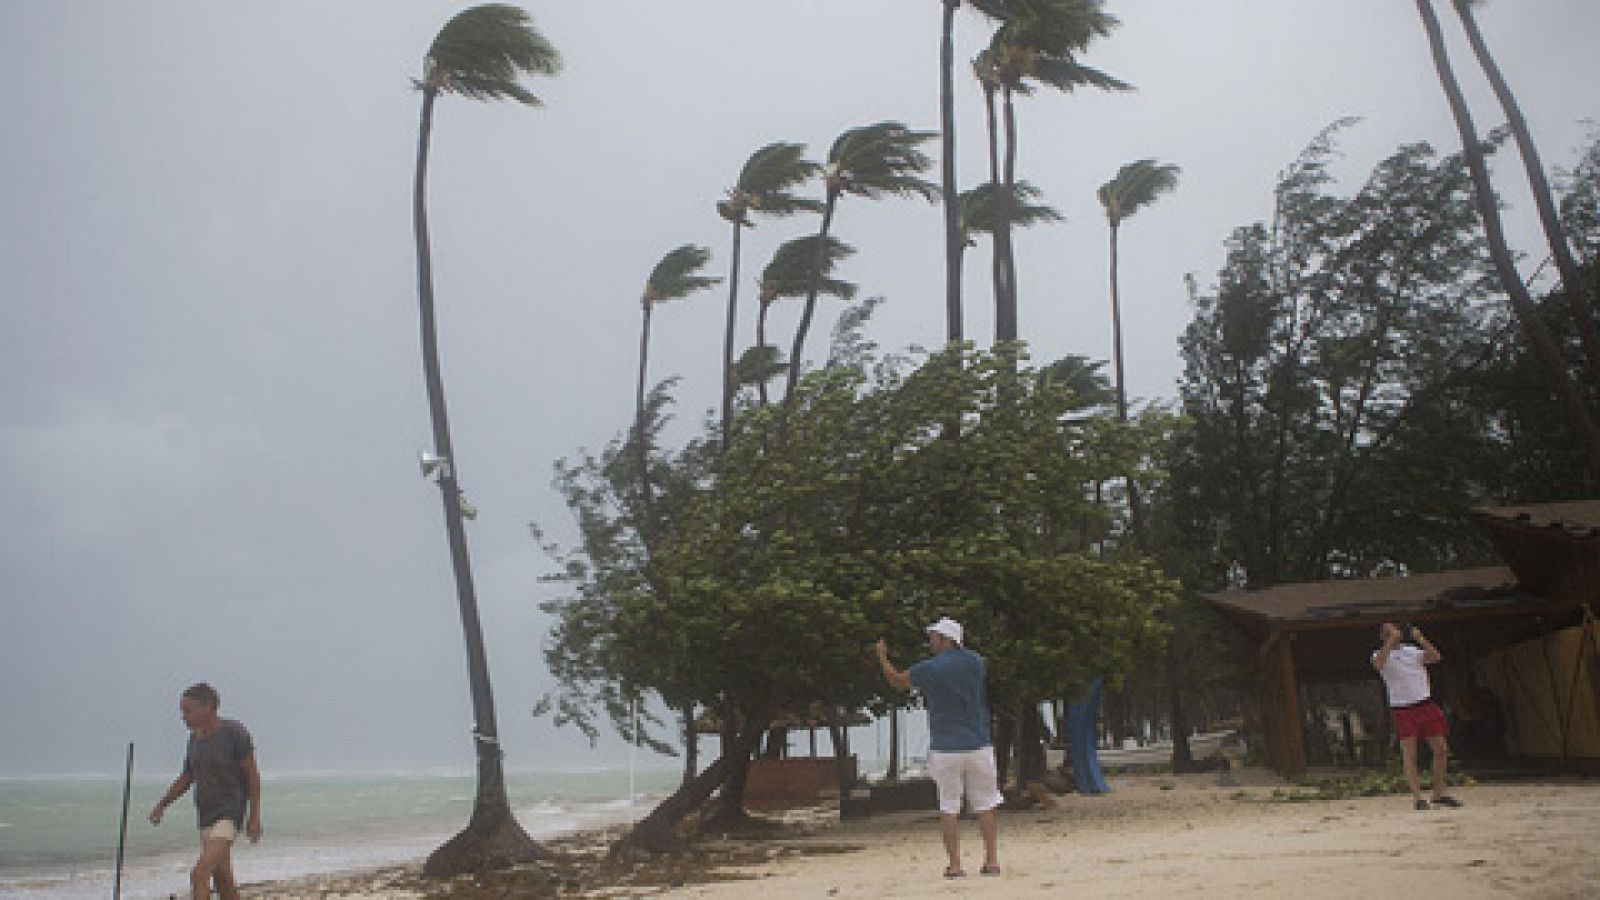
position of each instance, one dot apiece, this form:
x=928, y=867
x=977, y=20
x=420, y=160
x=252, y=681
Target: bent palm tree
x=870, y=161
x=676, y=276
x=479, y=54
x=765, y=185
x=1538, y=334
x=801, y=267
x=1581, y=299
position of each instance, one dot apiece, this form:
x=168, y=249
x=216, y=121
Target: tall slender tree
x=1580, y=293
x=676, y=276
x=1528, y=314
x=870, y=161
x=480, y=54
x=766, y=185
x=1037, y=43
x=1135, y=186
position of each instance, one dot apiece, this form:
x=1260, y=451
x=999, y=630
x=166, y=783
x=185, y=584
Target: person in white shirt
x=1403, y=666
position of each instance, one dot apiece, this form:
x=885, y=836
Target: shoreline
x=1153, y=836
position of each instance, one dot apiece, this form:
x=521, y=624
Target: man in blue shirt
x=954, y=686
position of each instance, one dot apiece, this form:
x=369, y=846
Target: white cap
x=948, y=627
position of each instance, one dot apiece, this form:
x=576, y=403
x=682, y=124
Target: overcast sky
x=210, y=390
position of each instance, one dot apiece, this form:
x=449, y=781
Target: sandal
x=1422, y=804
x=954, y=873
x=1447, y=800
x=989, y=870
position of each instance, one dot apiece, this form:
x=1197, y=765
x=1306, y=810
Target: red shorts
x=1425, y=720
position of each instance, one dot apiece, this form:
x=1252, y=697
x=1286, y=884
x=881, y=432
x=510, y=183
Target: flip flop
x=1447, y=801
x=989, y=870
x=1422, y=804
x=954, y=873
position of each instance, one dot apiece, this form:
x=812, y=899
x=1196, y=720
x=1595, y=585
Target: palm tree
x=765, y=185
x=870, y=161
x=676, y=276
x=789, y=274
x=479, y=54
x=1136, y=186
x=1538, y=334
x=1581, y=299
x=1038, y=43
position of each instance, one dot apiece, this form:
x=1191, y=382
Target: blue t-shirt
x=954, y=684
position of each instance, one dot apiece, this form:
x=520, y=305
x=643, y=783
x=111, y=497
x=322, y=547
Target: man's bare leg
x=989, y=826
x=950, y=830
x=1408, y=763
x=1441, y=756
x=216, y=859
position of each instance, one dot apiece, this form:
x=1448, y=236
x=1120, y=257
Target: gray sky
x=210, y=391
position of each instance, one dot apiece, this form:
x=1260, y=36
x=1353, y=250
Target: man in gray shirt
x=221, y=765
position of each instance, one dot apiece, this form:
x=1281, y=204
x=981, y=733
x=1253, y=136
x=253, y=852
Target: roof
x=1553, y=547
x=1372, y=597
x=1578, y=518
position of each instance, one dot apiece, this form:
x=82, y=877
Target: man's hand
x=253, y=828
x=155, y=814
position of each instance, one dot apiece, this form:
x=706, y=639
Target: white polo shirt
x=1405, y=675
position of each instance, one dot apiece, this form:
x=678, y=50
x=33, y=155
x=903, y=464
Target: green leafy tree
x=479, y=54
x=766, y=186
x=1324, y=379
x=782, y=569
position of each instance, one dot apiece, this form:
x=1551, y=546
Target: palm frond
x=1135, y=186
x=879, y=159
x=981, y=207
x=1067, y=74
x=482, y=53
x=760, y=363
x=677, y=274
x=775, y=169
x=790, y=272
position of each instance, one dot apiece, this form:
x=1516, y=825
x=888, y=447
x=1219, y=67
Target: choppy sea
x=58, y=834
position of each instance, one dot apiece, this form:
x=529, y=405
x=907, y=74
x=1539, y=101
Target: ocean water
x=58, y=835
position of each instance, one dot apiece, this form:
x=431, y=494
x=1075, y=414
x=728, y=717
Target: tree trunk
x=653, y=833
x=647, y=525
x=1539, y=337
x=952, y=213
x=492, y=838
x=727, y=340
x=1178, y=719
x=1005, y=316
x=810, y=309
x=893, y=773
x=1581, y=298
x=691, y=745
x=761, y=341
x=1134, y=519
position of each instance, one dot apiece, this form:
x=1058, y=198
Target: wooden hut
x=1520, y=675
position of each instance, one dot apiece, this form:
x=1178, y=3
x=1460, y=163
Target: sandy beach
x=1154, y=836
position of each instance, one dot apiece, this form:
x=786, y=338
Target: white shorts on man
x=972, y=775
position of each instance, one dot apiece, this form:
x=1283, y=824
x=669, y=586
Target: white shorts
x=222, y=830
x=970, y=774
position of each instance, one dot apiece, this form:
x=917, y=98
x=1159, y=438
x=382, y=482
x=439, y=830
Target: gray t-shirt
x=220, y=789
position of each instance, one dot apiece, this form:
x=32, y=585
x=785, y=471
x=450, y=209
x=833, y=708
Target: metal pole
x=122, y=834
x=633, y=753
